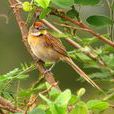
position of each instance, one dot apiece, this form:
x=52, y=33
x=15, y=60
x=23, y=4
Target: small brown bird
x=48, y=48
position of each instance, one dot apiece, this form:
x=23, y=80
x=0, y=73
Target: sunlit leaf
x=80, y=108
x=98, y=105
x=27, y=7
x=73, y=99
x=43, y=3
x=45, y=99
x=63, y=98
x=53, y=110
x=54, y=93
x=61, y=101
x=81, y=92
x=42, y=106
x=44, y=13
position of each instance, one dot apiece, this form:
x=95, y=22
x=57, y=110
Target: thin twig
x=75, y=44
x=31, y=102
x=82, y=25
x=47, y=90
x=69, y=26
x=33, y=98
x=7, y=105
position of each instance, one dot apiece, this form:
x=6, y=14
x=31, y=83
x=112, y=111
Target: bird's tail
x=81, y=73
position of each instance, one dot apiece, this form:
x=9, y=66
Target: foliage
x=99, y=20
x=53, y=101
x=102, y=53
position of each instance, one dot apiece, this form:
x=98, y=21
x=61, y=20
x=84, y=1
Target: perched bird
x=48, y=48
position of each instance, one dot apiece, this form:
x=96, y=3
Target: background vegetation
x=22, y=80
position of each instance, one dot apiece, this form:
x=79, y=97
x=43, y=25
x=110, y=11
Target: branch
x=7, y=105
x=82, y=25
x=76, y=45
x=24, y=32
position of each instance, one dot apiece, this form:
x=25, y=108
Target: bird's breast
x=45, y=53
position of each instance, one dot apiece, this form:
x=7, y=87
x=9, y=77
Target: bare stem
x=75, y=44
x=82, y=25
x=7, y=105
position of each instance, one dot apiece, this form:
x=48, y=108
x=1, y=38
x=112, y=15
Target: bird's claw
x=46, y=71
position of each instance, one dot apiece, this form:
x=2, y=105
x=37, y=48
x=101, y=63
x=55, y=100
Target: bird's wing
x=55, y=43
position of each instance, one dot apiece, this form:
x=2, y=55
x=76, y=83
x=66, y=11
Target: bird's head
x=37, y=29
x=39, y=25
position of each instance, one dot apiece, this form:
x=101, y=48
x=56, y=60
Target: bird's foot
x=47, y=71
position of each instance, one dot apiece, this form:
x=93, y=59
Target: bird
x=47, y=47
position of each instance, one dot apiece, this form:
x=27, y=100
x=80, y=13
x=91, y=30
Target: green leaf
x=97, y=105
x=87, y=2
x=100, y=75
x=109, y=60
x=62, y=101
x=82, y=56
x=73, y=99
x=63, y=98
x=3, y=78
x=43, y=3
x=54, y=93
x=42, y=106
x=81, y=92
x=45, y=99
x=80, y=108
x=47, y=85
x=53, y=109
x=48, y=112
x=96, y=20
x=26, y=6
x=23, y=76
x=44, y=13
x=24, y=93
x=63, y=4
x=60, y=109
x=73, y=13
